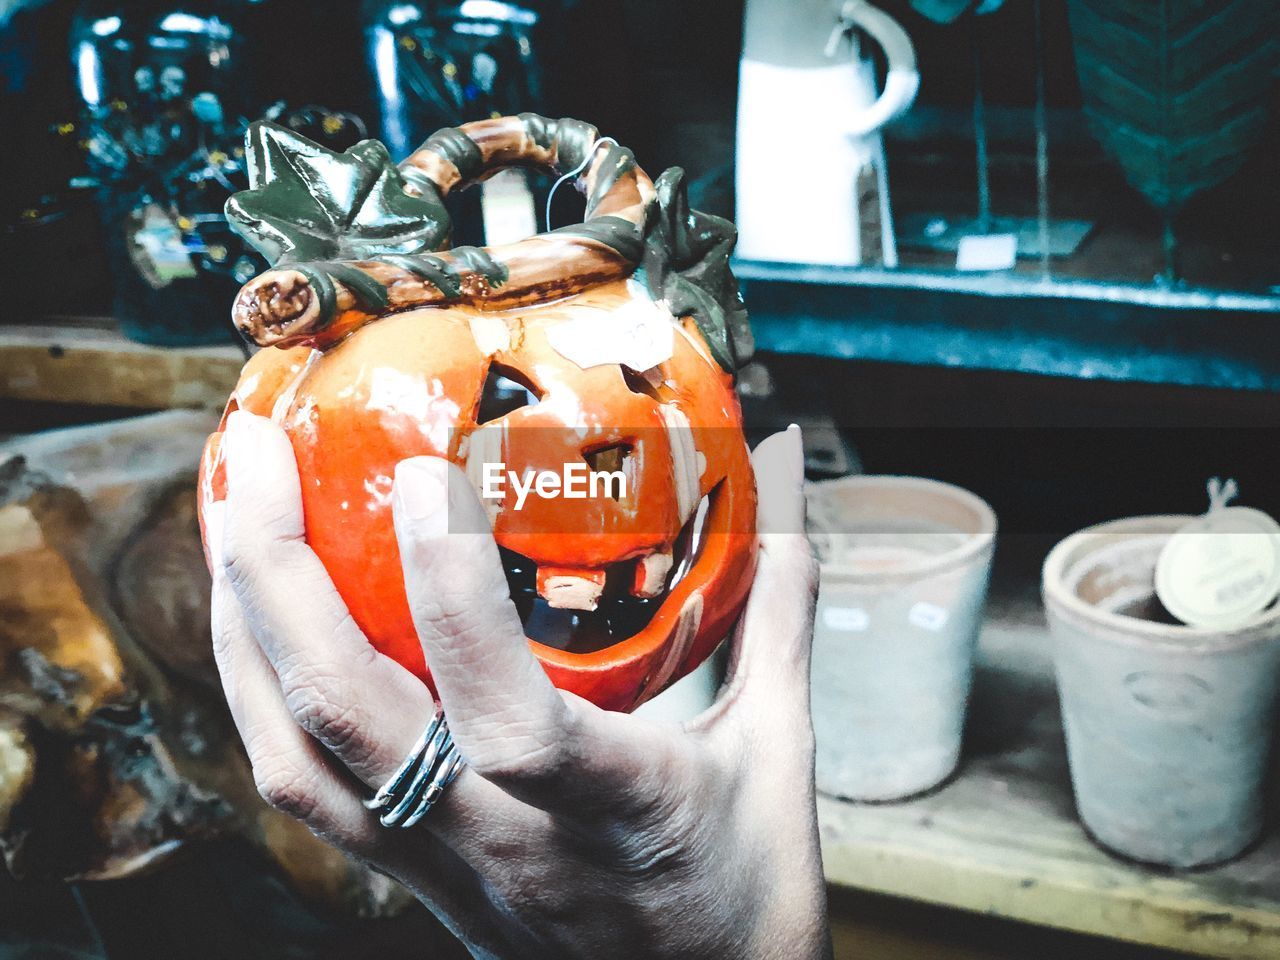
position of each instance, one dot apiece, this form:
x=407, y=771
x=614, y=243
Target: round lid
x=1221, y=569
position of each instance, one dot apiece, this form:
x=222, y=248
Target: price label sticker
x=157, y=247
x=1222, y=569
x=927, y=616
x=846, y=619
x=997, y=251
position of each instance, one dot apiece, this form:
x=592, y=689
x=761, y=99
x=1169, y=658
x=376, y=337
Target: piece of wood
x=1001, y=837
x=116, y=748
x=91, y=362
x=868, y=926
x=110, y=795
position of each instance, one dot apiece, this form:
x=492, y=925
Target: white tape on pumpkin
x=491, y=334
x=639, y=333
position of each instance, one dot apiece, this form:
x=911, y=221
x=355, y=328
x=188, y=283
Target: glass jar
x=163, y=93
x=442, y=64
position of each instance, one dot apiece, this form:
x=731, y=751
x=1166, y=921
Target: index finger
x=508, y=720
x=503, y=711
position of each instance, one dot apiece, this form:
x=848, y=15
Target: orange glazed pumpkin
x=609, y=344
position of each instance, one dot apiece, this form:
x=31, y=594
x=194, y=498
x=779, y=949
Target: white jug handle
x=903, y=80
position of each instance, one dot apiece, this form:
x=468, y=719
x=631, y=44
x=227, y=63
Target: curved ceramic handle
x=320, y=303
x=457, y=157
x=903, y=80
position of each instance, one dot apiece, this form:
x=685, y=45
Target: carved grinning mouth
x=619, y=614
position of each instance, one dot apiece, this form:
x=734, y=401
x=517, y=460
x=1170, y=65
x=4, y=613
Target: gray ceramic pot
x=905, y=564
x=1168, y=727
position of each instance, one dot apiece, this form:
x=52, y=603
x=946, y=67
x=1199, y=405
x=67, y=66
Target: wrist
x=793, y=927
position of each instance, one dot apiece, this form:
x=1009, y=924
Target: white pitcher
x=807, y=96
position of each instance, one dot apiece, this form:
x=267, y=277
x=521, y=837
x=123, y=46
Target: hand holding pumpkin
x=574, y=831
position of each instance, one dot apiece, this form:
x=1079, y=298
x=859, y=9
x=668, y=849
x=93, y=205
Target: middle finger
x=334, y=682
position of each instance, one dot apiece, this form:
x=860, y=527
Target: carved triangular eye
x=649, y=384
x=505, y=390
x=610, y=459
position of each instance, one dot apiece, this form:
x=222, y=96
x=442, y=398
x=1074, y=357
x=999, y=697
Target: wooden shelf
x=1063, y=328
x=88, y=361
x=1002, y=839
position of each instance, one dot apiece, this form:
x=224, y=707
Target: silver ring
x=419, y=782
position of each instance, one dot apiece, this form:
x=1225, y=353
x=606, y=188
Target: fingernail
x=421, y=488
x=779, y=469
x=215, y=515
x=795, y=458
x=237, y=442
x=237, y=422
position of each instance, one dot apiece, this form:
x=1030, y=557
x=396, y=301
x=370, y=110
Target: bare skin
x=573, y=832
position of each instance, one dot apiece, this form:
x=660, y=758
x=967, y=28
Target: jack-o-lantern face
x=625, y=585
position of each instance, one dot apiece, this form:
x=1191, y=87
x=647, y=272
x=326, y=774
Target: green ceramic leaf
x=1176, y=90
x=686, y=264
x=307, y=203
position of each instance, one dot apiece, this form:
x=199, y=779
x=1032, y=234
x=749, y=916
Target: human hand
x=573, y=831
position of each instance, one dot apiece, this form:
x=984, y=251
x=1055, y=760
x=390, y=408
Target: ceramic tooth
x=570, y=589
x=651, y=574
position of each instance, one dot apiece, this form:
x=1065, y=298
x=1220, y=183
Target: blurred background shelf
x=1065, y=328
x=86, y=360
x=1001, y=838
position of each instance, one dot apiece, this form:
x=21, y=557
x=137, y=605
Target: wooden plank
x=87, y=362
x=117, y=467
x=868, y=926
x=1001, y=837
x=104, y=582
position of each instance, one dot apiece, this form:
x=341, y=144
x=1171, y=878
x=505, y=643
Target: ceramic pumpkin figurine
x=611, y=343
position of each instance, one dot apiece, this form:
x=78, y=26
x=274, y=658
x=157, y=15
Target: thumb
x=769, y=667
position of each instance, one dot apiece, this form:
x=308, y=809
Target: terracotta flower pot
x=905, y=564
x=1168, y=726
